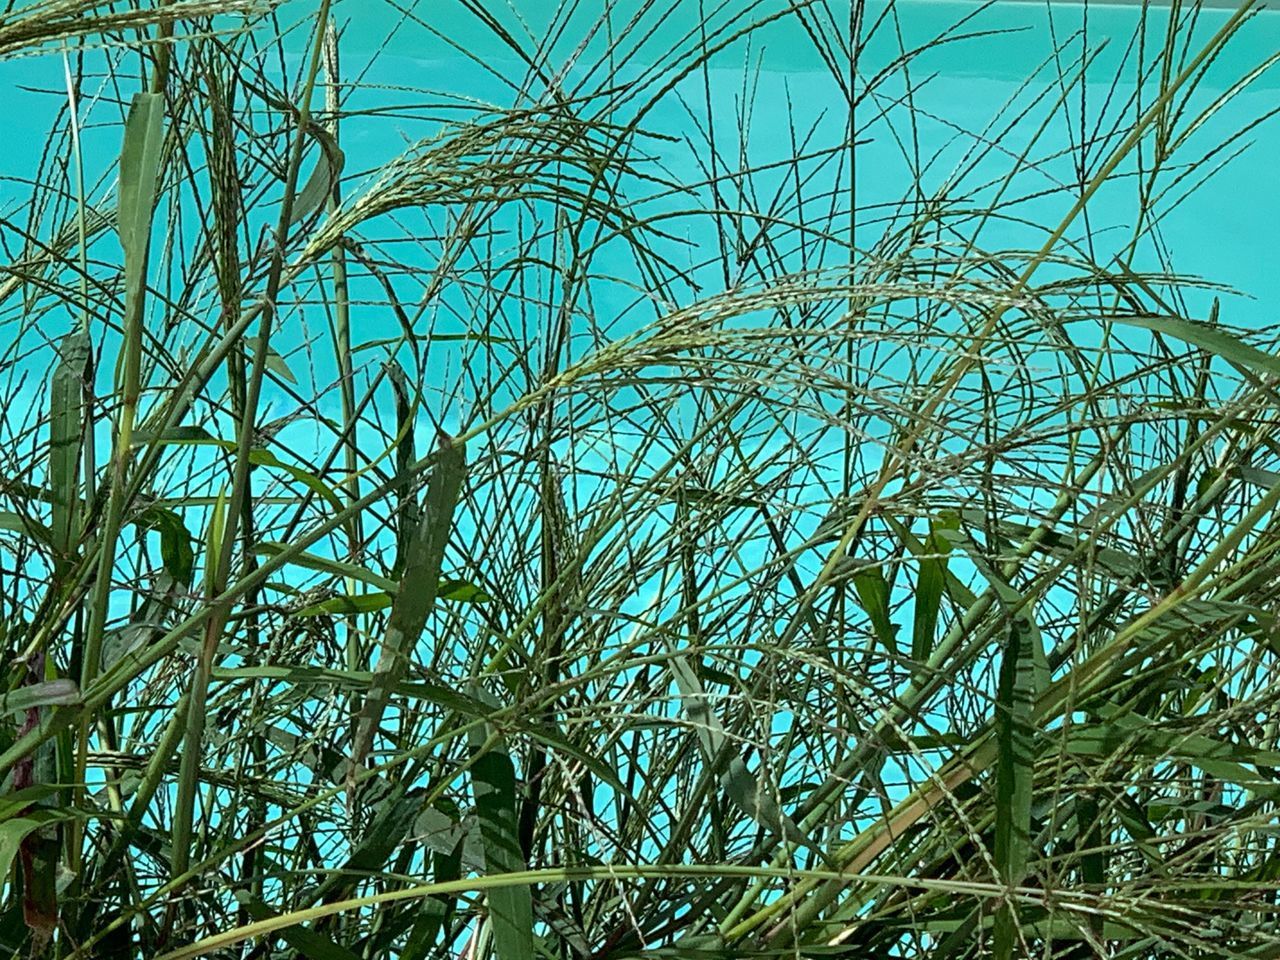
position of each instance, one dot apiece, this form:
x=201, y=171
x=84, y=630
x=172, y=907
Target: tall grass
x=521, y=547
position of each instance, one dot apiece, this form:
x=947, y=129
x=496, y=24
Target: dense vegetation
x=515, y=548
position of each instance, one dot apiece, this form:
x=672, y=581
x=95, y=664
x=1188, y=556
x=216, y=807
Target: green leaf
x=12, y=833
x=307, y=942
x=39, y=852
x=66, y=433
x=177, y=436
x=930, y=582
x=1217, y=340
x=460, y=591
x=139, y=171
x=47, y=693
x=265, y=458
x=323, y=178
x=390, y=825
x=1194, y=614
x=436, y=911
x=391, y=822
x=213, y=542
x=493, y=781
x=444, y=696
x=25, y=526
x=348, y=604
x=435, y=338
x=451, y=591
x=1134, y=734
x=275, y=363
x=1015, y=702
x=954, y=588
x=873, y=596
x=199, y=437
x=739, y=782
x=18, y=802
x=418, y=588
x=338, y=568
x=176, y=552
x=139, y=176
x=407, y=512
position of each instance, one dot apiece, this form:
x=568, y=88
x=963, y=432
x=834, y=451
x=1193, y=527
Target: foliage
x=517, y=548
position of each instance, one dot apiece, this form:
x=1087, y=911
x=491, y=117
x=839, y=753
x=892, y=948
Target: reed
x=520, y=546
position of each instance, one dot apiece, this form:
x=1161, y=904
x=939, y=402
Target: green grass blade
x=139, y=169
x=139, y=177
x=873, y=595
x=308, y=943
x=493, y=779
x=417, y=592
x=1015, y=702
x=930, y=585
x=46, y=693
x=741, y=785
x=66, y=433
x=1216, y=340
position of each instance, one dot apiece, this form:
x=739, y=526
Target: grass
x=601, y=526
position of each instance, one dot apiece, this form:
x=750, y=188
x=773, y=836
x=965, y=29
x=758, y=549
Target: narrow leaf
x=325, y=174
x=930, y=581
x=47, y=693
x=1015, y=700
x=873, y=596
x=307, y=942
x=738, y=781
x=66, y=433
x=1217, y=340
x=493, y=779
x=418, y=588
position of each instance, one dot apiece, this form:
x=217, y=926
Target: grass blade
x=873, y=595
x=66, y=432
x=1208, y=337
x=930, y=584
x=416, y=594
x=493, y=779
x=1015, y=700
